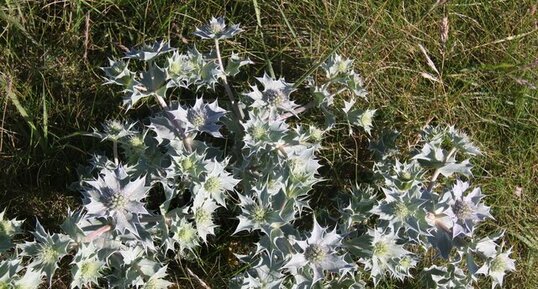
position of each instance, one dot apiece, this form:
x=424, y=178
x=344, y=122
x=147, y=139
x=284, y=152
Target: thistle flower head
x=275, y=95
x=87, y=266
x=501, y=264
x=202, y=117
x=217, y=29
x=319, y=253
x=262, y=131
x=465, y=211
x=8, y=228
x=387, y=254
x=216, y=182
x=203, y=217
x=257, y=212
x=114, y=130
x=46, y=251
x=112, y=195
x=337, y=65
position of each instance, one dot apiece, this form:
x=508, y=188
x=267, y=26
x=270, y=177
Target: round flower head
x=498, y=266
x=261, y=131
x=88, y=267
x=337, y=65
x=257, y=212
x=217, y=29
x=46, y=251
x=276, y=94
x=465, y=211
x=387, y=255
x=216, y=183
x=318, y=253
x=203, y=217
x=114, y=196
x=115, y=130
x=185, y=235
x=201, y=117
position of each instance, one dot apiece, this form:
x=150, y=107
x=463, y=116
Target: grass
x=482, y=79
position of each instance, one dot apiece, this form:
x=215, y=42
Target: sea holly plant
x=176, y=178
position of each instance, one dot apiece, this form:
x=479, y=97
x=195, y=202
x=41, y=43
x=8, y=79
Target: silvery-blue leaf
x=157, y=281
x=385, y=145
x=235, y=62
x=356, y=85
x=442, y=241
x=30, y=280
x=464, y=167
x=153, y=81
x=165, y=129
x=8, y=271
x=461, y=141
x=118, y=73
x=148, y=52
x=71, y=227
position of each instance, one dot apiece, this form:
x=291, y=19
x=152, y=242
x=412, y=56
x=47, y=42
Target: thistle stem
x=95, y=234
x=227, y=87
x=115, y=151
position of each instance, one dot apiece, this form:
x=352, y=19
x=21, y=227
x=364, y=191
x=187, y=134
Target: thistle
x=464, y=211
x=319, y=253
x=45, y=251
x=114, y=197
x=87, y=267
x=202, y=117
x=275, y=95
x=217, y=29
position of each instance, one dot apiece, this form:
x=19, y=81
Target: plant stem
x=115, y=151
x=95, y=234
x=227, y=87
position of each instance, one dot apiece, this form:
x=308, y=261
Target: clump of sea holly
x=242, y=159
